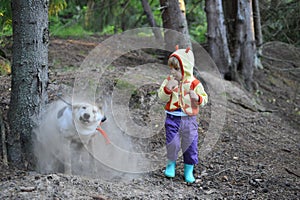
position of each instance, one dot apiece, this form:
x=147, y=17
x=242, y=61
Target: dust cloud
x=114, y=160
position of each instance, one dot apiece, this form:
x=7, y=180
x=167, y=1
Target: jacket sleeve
x=163, y=93
x=203, y=97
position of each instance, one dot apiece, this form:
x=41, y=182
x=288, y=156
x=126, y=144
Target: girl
x=183, y=95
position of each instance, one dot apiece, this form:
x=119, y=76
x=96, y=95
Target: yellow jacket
x=179, y=97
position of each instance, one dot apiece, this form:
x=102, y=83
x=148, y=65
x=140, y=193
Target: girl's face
x=176, y=72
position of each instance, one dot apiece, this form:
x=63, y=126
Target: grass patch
x=122, y=85
x=75, y=30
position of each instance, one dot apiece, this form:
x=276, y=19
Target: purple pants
x=182, y=132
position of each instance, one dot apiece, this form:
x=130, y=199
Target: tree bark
x=230, y=12
x=89, y=14
x=175, y=20
x=258, y=34
x=245, y=48
x=257, y=23
x=217, y=35
x=3, y=140
x=239, y=55
x=29, y=77
x=148, y=12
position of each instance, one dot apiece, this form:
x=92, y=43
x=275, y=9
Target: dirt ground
x=257, y=154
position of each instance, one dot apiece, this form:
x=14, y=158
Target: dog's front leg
x=67, y=157
x=92, y=162
x=85, y=160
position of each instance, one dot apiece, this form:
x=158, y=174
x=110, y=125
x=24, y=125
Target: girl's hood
x=186, y=60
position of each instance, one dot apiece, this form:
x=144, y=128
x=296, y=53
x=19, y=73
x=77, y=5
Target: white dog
x=65, y=137
x=78, y=124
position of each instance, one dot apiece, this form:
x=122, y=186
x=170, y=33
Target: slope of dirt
x=256, y=157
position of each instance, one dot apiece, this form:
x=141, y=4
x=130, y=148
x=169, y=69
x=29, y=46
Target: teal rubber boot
x=188, y=173
x=170, y=169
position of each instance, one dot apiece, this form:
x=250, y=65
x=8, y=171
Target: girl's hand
x=172, y=83
x=193, y=95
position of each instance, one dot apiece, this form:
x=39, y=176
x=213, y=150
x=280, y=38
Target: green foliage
x=5, y=18
x=67, y=22
x=120, y=14
x=198, y=33
x=57, y=6
x=125, y=85
x=281, y=22
x=75, y=30
x=6, y=28
x=196, y=18
x=75, y=17
x=5, y=67
x=110, y=30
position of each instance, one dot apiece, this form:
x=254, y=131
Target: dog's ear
x=61, y=112
x=78, y=105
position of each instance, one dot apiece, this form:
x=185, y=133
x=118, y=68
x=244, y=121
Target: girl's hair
x=173, y=61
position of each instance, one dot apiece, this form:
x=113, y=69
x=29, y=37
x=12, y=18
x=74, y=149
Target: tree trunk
x=257, y=23
x=3, y=140
x=217, y=35
x=258, y=34
x=245, y=49
x=89, y=14
x=29, y=77
x=230, y=10
x=148, y=12
x=240, y=39
x=182, y=7
x=175, y=23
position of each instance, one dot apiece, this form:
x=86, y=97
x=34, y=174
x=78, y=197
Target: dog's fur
x=77, y=124
x=65, y=135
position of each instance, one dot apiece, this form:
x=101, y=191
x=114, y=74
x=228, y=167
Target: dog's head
x=87, y=114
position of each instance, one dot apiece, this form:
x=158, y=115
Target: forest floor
x=256, y=156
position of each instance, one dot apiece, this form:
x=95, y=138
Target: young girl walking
x=183, y=94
